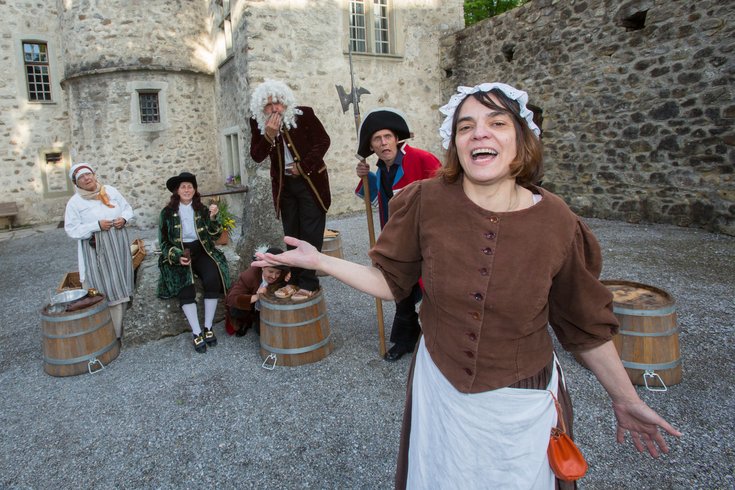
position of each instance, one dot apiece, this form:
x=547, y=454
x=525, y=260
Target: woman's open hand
x=305, y=256
x=642, y=423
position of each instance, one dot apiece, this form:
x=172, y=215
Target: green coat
x=175, y=276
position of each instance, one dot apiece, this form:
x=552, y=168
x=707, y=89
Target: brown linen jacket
x=308, y=142
x=247, y=284
x=494, y=282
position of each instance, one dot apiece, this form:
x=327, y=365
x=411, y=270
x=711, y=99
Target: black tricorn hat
x=173, y=183
x=377, y=119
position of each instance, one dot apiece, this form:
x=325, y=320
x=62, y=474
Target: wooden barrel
x=331, y=246
x=648, y=341
x=295, y=333
x=77, y=342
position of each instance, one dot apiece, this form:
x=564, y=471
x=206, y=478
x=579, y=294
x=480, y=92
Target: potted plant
x=227, y=220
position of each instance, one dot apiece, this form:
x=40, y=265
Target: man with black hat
x=383, y=132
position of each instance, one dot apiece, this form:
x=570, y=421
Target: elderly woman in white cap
x=96, y=217
x=501, y=259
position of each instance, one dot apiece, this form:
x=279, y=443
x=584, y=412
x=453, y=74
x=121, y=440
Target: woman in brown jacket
x=501, y=259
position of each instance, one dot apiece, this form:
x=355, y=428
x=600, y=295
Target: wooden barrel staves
x=294, y=333
x=77, y=342
x=331, y=246
x=648, y=341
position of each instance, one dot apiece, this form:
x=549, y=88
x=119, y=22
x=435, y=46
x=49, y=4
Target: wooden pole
x=368, y=207
x=371, y=234
x=235, y=190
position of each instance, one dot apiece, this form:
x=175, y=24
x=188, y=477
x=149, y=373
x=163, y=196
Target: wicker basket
x=138, y=251
x=70, y=281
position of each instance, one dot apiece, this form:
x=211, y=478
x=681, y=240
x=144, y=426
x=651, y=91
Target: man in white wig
x=296, y=142
x=96, y=216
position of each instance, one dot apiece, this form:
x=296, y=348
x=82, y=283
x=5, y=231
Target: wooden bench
x=9, y=210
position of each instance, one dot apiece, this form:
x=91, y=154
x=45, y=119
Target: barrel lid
x=637, y=295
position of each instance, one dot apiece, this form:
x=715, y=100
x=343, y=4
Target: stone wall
x=102, y=52
x=138, y=163
x=305, y=45
x=115, y=34
x=27, y=128
x=637, y=101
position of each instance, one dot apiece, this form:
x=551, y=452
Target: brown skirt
x=539, y=381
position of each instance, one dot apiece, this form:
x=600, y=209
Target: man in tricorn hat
x=383, y=132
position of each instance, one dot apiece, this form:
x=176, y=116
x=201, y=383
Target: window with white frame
x=371, y=27
x=148, y=106
x=36, y=61
x=224, y=34
x=232, y=157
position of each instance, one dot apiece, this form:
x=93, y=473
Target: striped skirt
x=109, y=265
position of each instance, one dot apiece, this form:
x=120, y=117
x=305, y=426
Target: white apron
x=494, y=439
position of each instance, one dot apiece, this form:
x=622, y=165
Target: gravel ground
x=162, y=416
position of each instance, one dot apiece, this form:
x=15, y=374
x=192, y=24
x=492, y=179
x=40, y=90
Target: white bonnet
x=79, y=169
x=445, y=130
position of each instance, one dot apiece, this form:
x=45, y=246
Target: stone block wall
x=102, y=52
x=27, y=128
x=636, y=96
x=115, y=34
x=305, y=45
x=136, y=162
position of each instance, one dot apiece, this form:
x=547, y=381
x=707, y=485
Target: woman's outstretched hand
x=642, y=423
x=305, y=256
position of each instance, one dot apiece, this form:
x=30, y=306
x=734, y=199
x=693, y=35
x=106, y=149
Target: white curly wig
x=279, y=92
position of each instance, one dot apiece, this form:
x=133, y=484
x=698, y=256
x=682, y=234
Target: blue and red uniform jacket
x=413, y=164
